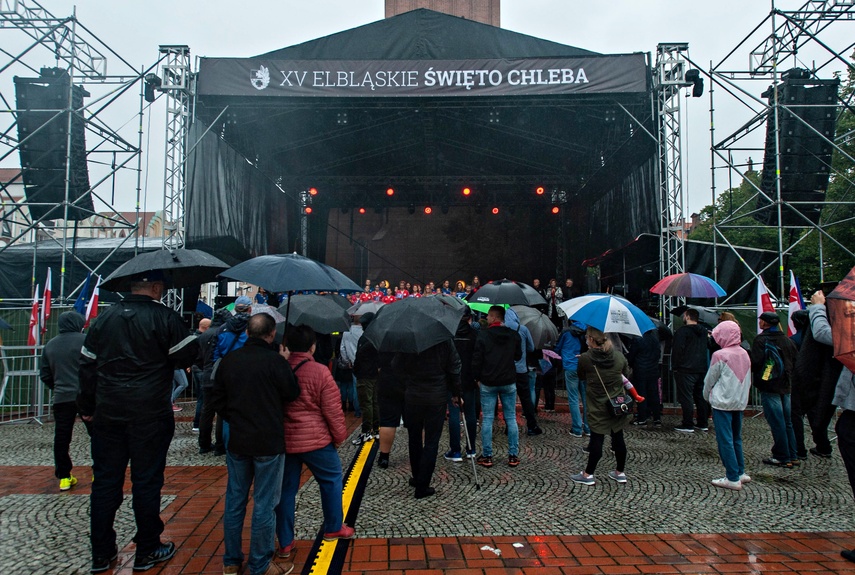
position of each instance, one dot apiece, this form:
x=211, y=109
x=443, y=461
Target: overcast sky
x=135, y=28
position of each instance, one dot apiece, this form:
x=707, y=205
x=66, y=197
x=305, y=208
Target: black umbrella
x=542, y=330
x=413, y=325
x=339, y=300
x=182, y=268
x=506, y=292
x=316, y=311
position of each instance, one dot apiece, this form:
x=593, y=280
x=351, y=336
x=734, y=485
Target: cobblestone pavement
x=554, y=522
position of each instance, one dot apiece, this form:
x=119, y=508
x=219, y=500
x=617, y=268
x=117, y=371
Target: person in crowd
x=261, y=296
x=546, y=372
x=460, y=289
x=774, y=387
x=429, y=377
x=689, y=362
x=554, y=296
x=844, y=397
x=726, y=387
x=801, y=322
x=535, y=283
x=603, y=367
x=366, y=367
x=179, y=384
x=476, y=283
x=403, y=292
x=196, y=374
x=446, y=288
x=344, y=374
x=256, y=451
x=497, y=349
x=233, y=334
x=570, y=346
x=390, y=404
x=569, y=291
x=314, y=428
x=59, y=371
x=324, y=349
x=207, y=345
x=126, y=366
x=464, y=342
x=643, y=357
x=525, y=378
x=817, y=373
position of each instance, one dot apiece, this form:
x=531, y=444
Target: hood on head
x=727, y=334
x=512, y=320
x=71, y=321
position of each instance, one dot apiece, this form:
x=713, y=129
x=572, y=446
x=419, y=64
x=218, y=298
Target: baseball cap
x=242, y=303
x=770, y=317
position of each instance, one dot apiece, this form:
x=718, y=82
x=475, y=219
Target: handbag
x=618, y=405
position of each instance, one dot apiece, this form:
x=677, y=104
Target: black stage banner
x=625, y=73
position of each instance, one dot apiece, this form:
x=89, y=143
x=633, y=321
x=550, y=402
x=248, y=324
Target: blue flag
x=80, y=302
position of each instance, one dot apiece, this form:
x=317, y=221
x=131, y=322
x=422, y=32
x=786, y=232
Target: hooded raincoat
x=728, y=380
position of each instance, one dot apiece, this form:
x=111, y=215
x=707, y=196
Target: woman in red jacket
x=314, y=427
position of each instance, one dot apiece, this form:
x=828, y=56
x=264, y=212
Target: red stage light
x=467, y=191
x=495, y=211
x=390, y=192
x=540, y=190
x=308, y=210
x=428, y=210
x=555, y=209
x=361, y=210
x=313, y=191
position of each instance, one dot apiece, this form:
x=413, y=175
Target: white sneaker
x=744, y=478
x=726, y=483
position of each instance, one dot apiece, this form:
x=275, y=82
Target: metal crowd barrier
x=23, y=396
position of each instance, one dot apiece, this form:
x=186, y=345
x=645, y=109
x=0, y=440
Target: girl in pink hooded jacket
x=726, y=387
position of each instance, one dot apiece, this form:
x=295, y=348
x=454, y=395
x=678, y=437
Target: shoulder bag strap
x=602, y=383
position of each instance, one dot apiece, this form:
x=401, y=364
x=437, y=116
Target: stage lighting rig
x=467, y=191
x=693, y=77
x=428, y=210
x=152, y=82
x=495, y=211
x=390, y=191
x=540, y=190
x=361, y=210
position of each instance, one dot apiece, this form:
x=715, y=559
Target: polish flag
x=46, y=303
x=33, y=334
x=797, y=302
x=764, y=301
x=92, y=308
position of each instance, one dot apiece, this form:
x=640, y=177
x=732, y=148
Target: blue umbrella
x=608, y=313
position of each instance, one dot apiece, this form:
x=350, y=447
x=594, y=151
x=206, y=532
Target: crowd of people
x=120, y=378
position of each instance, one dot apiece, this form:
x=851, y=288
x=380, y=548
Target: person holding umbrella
x=366, y=367
x=602, y=367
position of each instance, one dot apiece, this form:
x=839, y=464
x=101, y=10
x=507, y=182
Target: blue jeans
x=179, y=383
x=776, y=410
x=144, y=444
x=728, y=435
x=326, y=468
x=454, y=420
x=575, y=389
x=508, y=396
x=347, y=389
x=266, y=473
x=532, y=384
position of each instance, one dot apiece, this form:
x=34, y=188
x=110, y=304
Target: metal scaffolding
x=815, y=39
x=32, y=39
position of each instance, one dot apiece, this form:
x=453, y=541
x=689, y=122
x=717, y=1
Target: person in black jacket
x=428, y=377
x=366, y=368
x=60, y=372
x=643, y=357
x=251, y=387
x=208, y=344
x=689, y=362
x=497, y=348
x=775, y=391
x=464, y=342
x=126, y=367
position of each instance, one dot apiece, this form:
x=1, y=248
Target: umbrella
x=484, y=307
x=339, y=299
x=183, y=268
x=841, y=315
x=453, y=301
x=365, y=307
x=316, y=311
x=608, y=313
x=705, y=315
x=688, y=285
x=413, y=325
x=290, y=273
x=269, y=310
x=542, y=329
x=506, y=291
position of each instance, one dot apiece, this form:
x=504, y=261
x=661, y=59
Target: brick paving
x=530, y=519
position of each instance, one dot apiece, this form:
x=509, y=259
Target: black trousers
x=524, y=396
x=690, y=388
x=427, y=419
x=820, y=417
x=845, y=429
x=64, y=414
x=595, y=451
x=646, y=382
x=546, y=382
x=206, y=426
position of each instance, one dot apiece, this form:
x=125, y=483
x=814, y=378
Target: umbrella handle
x=469, y=447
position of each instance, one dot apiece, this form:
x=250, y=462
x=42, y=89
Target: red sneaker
x=177, y=407
x=285, y=552
x=344, y=533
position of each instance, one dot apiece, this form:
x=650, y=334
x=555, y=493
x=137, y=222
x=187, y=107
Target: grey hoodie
x=61, y=358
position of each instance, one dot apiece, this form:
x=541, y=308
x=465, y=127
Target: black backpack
x=773, y=364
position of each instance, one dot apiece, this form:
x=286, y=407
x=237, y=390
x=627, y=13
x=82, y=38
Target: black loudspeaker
x=43, y=124
x=224, y=300
x=805, y=155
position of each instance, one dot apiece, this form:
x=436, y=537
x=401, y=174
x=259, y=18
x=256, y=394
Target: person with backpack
x=773, y=356
x=570, y=346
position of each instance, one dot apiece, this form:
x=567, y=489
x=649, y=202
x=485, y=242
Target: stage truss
x=821, y=30
x=34, y=38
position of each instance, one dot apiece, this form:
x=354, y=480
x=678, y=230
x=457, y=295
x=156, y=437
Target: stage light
x=411, y=209
x=313, y=191
x=555, y=209
x=428, y=210
x=539, y=191
x=390, y=192
x=467, y=192
x=361, y=210
x=495, y=211
x=308, y=210
x=152, y=83
x=693, y=76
